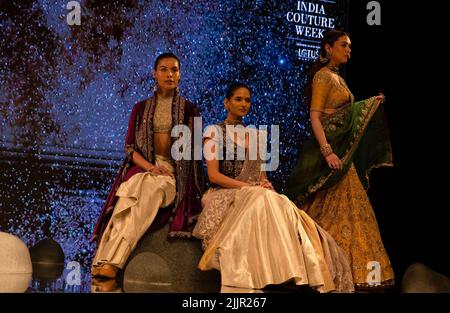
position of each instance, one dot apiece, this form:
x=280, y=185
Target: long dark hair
x=329, y=38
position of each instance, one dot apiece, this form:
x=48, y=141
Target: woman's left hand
x=380, y=98
x=266, y=184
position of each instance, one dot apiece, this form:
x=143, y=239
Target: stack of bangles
x=326, y=150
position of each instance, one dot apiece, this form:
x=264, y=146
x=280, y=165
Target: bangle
x=326, y=150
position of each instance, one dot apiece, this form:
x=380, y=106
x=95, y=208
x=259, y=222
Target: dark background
x=402, y=59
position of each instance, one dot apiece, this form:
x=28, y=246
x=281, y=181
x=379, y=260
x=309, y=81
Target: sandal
x=108, y=271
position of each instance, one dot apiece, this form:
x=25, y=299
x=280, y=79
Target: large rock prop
x=15, y=264
x=419, y=278
x=159, y=265
x=47, y=257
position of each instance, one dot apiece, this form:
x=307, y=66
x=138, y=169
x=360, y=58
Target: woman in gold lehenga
x=330, y=179
x=253, y=235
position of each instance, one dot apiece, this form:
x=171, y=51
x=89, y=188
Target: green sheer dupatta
x=358, y=134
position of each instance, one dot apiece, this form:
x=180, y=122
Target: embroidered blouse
x=162, y=120
x=329, y=91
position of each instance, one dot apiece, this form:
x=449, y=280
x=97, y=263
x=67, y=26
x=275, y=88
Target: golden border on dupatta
x=367, y=113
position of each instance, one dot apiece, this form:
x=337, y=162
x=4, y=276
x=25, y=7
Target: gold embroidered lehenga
x=256, y=237
x=337, y=200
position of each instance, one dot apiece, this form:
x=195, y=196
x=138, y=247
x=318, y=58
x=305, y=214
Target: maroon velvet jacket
x=189, y=174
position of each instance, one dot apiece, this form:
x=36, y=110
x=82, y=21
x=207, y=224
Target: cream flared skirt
x=265, y=239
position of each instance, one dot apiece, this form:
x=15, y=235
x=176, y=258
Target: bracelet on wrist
x=326, y=150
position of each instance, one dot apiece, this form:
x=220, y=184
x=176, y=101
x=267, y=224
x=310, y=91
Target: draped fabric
x=256, y=237
x=188, y=173
x=358, y=134
x=140, y=199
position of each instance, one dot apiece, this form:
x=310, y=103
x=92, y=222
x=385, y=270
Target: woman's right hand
x=334, y=162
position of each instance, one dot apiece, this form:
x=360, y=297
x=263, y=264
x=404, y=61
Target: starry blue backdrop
x=66, y=93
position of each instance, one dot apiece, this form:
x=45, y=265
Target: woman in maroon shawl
x=151, y=188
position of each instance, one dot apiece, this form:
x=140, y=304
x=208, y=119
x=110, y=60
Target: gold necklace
x=334, y=69
x=233, y=122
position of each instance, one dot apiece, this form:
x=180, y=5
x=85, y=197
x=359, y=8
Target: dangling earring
x=329, y=55
x=323, y=60
x=155, y=87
